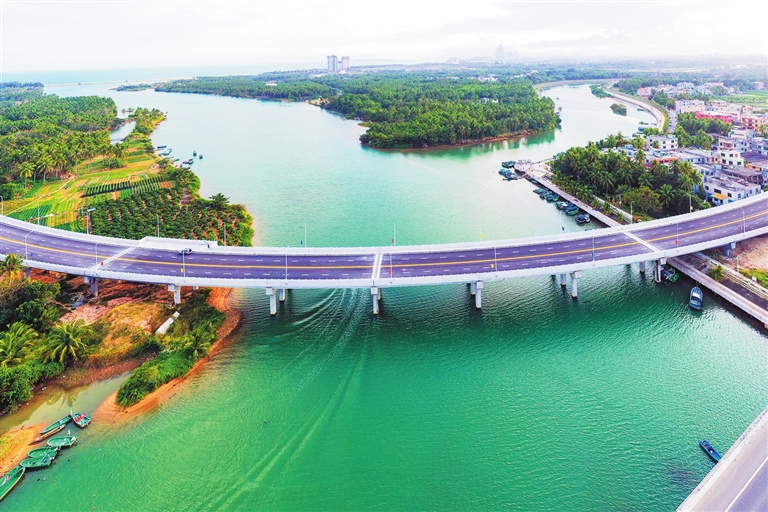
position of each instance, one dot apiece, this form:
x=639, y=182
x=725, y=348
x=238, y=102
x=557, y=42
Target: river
x=537, y=402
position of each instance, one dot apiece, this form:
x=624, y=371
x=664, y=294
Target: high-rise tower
x=333, y=64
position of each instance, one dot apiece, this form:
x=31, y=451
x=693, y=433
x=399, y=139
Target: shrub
x=717, y=272
x=151, y=375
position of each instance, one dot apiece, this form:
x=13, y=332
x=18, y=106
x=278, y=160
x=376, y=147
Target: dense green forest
x=692, y=131
x=658, y=190
x=402, y=110
x=17, y=92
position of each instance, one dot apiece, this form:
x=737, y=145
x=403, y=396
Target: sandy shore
x=19, y=443
x=109, y=412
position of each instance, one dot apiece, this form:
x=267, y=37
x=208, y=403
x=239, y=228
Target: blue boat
x=710, y=451
x=695, y=301
x=583, y=218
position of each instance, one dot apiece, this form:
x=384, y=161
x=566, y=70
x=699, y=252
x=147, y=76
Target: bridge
x=178, y=263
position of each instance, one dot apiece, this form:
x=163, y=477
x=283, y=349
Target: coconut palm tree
x=45, y=165
x=12, y=267
x=26, y=171
x=15, y=344
x=666, y=194
x=67, y=341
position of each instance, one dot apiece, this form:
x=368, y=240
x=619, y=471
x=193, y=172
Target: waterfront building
x=744, y=174
x=682, y=106
x=645, y=92
x=345, y=63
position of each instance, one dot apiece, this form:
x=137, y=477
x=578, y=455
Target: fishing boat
x=583, y=218
x=62, y=441
x=508, y=164
x=162, y=147
x=670, y=274
x=572, y=211
x=695, y=301
x=194, y=153
x=42, y=452
x=709, y=450
x=53, y=428
x=35, y=462
x=200, y=156
x=10, y=479
x=551, y=198
x=80, y=419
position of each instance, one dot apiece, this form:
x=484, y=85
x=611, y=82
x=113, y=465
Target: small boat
x=162, y=147
x=10, y=479
x=194, y=153
x=508, y=164
x=553, y=198
x=572, y=211
x=583, y=218
x=62, y=441
x=695, y=301
x=709, y=450
x=42, y=452
x=670, y=274
x=80, y=419
x=200, y=156
x=53, y=428
x=35, y=462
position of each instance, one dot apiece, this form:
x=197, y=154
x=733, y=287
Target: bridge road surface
x=160, y=261
x=739, y=482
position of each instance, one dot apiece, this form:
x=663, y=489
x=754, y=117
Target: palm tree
x=67, y=341
x=15, y=344
x=26, y=171
x=45, y=165
x=13, y=266
x=666, y=194
x=645, y=179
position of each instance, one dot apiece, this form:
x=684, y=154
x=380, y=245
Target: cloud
x=117, y=34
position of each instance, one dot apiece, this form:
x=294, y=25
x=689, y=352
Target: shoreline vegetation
x=403, y=110
x=56, y=153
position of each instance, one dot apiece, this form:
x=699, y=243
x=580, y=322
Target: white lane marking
x=747, y=484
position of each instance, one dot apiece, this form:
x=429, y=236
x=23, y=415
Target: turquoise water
x=537, y=402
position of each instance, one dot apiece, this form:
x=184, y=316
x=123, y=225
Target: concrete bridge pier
x=562, y=280
x=472, y=288
x=282, y=294
x=375, y=293
x=727, y=249
x=176, y=292
x=478, y=294
x=642, y=267
x=94, y=286
x=272, y=301
x=27, y=272
x=657, y=270
x=575, y=284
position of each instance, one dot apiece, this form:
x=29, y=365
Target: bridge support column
x=272, y=301
x=562, y=280
x=642, y=267
x=86, y=279
x=94, y=286
x=282, y=294
x=479, y=294
x=575, y=284
x=375, y=294
x=727, y=249
x=176, y=292
x=657, y=271
x=472, y=288
x=27, y=272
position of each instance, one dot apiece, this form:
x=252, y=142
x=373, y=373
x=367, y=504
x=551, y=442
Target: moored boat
x=709, y=450
x=62, y=441
x=43, y=452
x=508, y=164
x=36, y=462
x=10, y=479
x=80, y=419
x=194, y=153
x=53, y=428
x=696, y=300
x=201, y=156
x=583, y=218
x=670, y=274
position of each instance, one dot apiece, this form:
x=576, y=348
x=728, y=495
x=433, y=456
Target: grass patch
x=760, y=275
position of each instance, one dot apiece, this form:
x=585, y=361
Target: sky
x=60, y=35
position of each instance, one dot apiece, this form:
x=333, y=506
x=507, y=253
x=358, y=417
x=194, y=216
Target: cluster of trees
x=692, y=131
x=33, y=346
x=403, y=109
x=597, y=90
x=620, y=109
x=189, y=339
x=655, y=190
x=180, y=216
x=146, y=120
x=17, y=92
x=51, y=134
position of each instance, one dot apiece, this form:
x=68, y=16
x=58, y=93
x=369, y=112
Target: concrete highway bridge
x=178, y=263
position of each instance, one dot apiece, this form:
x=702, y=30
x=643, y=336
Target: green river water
x=537, y=402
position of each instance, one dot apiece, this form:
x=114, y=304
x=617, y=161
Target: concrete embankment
x=738, y=481
x=655, y=111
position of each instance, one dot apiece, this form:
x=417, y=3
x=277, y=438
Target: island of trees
x=620, y=109
x=402, y=110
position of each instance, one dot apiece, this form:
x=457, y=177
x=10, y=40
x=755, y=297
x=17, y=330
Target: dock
x=749, y=297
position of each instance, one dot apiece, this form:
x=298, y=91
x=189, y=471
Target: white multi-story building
x=722, y=189
x=662, y=142
x=730, y=157
x=345, y=63
x=333, y=64
x=682, y=106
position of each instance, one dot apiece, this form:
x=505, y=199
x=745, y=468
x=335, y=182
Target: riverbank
x=110, y=412
x=467, y=143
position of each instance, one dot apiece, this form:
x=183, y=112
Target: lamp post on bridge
x=88, y=220
x=26, y=247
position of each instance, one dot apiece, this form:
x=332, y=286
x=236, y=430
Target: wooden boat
x=80, y=419
x=200, y=156
x=572, y=211
x=670, y=274
x=10, y=479
x=43, y=452
x=583, y=218
x=695, y=301
x=194, y=153
x=709, y=450
x=55, y=427
x=36, y=462
x=62, y=441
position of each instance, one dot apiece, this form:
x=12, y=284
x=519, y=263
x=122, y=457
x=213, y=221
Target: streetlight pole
x=158, y=225
x=306, y=243
x=88, y=220
x=38, y=214
x=26, y=247
x=225, y=234
x=631, y=213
